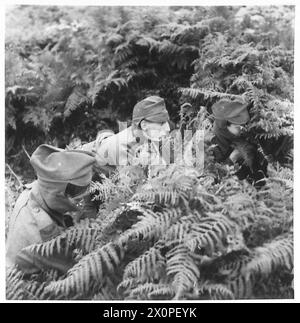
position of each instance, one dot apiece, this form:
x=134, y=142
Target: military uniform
x=115, y=150
x=226, y=111
x=122, y=149
x=31, y=224
x=40, y=212
x=253, y=165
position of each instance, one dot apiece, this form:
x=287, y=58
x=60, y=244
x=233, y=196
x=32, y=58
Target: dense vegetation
x=212, y=236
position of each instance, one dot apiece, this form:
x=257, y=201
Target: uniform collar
x=137, y=135
x=36, y=195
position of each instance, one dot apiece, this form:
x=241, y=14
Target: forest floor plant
x=186, y=233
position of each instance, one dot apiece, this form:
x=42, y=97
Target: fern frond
x=102, y=191
x=19, y=288
x=170, y=187
x=207, y=200
x=183, y=270
x=122, y=53
x=178, y=232
x=126, y=285
x=241, y=287
x=186, y=34
x=215, y=291
x=151, y=225
x=114, y=40
x=106, y=291
x=14, y=284
x=145, y=265
x=82, y=236
x=91, y=268
x=209, y=234
x=36, y=291
x=167, y=48
x=256, y=96
x=165, y=291
x=104, y=294
x=150, y=290
x=118, y=82
x=278, y=253
x=206, y=94
x=114, y=80
x=40, y=117
x=163, y=196
x=148, y=42
x=231, y=265
x=241, y=83
x=75, y=100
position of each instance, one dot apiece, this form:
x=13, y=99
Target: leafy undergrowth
x=71, y=72
x=183, y=234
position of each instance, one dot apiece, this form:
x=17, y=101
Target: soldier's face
x=155, y=131
x=76, y=194
x=235, y=129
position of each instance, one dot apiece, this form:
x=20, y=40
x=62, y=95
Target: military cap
x=152, y=109
x=233, y=111
x=56, y=165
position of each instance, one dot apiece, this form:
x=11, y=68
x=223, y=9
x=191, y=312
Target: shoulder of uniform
x=47, y=227
x=21, y=202
x=28, y=186
x=38, y=212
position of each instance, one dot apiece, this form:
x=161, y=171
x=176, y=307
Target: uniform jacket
x=46, y=208
x=253, y=163
x=224, y=141
x=120, y=149
x=32, y=222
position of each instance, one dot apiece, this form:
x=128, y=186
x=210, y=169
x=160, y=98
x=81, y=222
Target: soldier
x=231, y=116
x=150, y=123
x=44, y=209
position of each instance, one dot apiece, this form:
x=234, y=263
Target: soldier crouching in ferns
x=48, y=206
x=230, y=144
x=150, y=123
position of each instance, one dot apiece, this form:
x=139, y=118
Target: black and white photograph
x=149, y=152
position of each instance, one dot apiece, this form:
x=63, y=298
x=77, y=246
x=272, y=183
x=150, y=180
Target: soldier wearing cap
x=150, y=123
x=44, y=209
x=231, y=116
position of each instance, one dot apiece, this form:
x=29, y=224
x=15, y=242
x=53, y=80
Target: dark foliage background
x=69, y=77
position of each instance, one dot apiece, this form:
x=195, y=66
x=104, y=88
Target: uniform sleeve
x=113, y=153
x=104, y=155
x=90, y=147
x=22, y=231
x=32, y=225
x=104, y=150
x=30, y=262
x=222, y=150
x=25, y=233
